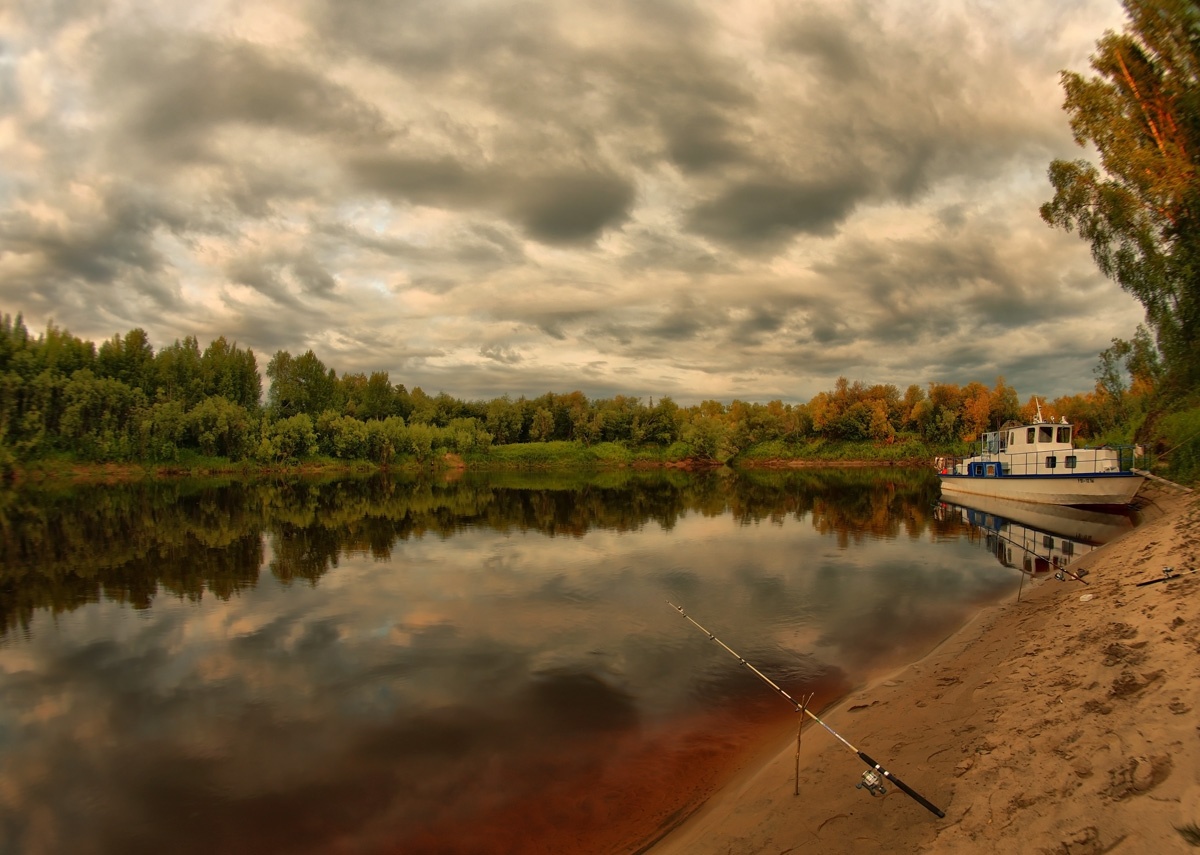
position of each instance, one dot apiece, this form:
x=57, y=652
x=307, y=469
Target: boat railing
x=1082, y=462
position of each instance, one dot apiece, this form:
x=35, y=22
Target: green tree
x=218, y=426
x=1140, y=210
x=660, y=424
x=129, y=360
x=231, y=372
x=370, y=397
x=300, y=384
x=177, y=373
x=287, y=440
x=163, y=428
x=542, y=427
x=101, y=416
x=58, y=350
x=342, y=436
x=504, y=421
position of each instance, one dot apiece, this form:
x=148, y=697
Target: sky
x=700, y=199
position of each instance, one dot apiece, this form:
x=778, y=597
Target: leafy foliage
x=1181, y=444
x=1140, y=210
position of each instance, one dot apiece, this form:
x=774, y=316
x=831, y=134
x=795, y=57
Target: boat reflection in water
x=1038, y=538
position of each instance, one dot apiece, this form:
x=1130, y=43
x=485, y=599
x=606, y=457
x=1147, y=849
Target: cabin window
x=1068, y=547
x=1064, y=434
x=1029, y=435
x=1012, y=437
x=1047, y=541
x=1071, y=462
x=1051, y=462
x=991, y=470
x=1046, y=433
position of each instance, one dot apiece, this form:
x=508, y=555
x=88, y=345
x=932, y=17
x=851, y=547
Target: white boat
x=1038, y=462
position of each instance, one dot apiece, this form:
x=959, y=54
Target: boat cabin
x=1023, y=438
x=1041, y=448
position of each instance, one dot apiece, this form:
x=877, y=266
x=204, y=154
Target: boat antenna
x=873, y=778
x=1039, y=410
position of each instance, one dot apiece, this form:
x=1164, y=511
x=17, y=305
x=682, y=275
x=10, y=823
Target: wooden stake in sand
x=873, y=778
x=799, y=729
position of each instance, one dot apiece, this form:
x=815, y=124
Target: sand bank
x=1065, y=722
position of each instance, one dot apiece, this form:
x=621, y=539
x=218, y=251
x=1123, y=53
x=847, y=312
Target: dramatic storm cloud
x=704, y=200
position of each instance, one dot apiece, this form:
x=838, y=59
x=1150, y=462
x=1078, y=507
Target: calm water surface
x=484, y=665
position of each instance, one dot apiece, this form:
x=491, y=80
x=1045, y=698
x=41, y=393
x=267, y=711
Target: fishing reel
x=872, y=782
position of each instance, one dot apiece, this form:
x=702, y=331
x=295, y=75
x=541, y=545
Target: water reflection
x=389, y=665
x=1038, y=538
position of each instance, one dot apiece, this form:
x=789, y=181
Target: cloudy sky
x=693, y=198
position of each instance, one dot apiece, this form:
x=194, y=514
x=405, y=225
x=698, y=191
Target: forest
x=64, y=398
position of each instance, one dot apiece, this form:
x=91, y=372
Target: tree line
x=125, y=401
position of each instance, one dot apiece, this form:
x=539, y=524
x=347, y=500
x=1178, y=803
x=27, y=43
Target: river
x=486, y=664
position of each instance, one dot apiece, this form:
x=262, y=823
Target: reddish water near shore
x=478, y=667
x=623, y=790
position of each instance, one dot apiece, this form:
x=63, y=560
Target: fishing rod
x=873, y=778
x=1168, y=573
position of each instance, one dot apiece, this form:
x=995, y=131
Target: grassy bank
x=909, y=451
x=525, y=456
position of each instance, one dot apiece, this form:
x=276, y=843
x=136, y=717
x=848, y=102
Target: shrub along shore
x=557, y=455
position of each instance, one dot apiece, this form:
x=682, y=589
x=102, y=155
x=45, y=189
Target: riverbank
x=1064, y=721
x=531, y=456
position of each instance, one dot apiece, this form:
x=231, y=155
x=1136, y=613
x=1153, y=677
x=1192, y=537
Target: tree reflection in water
x=388, y=664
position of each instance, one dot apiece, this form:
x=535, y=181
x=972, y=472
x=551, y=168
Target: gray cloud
x=570, y=208
x=763, y=213
x=501, y=354
x=180, y=92
x=702, y=200
x=561, y=207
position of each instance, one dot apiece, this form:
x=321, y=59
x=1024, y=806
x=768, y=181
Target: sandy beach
x=1067, y=721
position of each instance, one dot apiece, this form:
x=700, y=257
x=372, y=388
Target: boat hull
x=1116, y=488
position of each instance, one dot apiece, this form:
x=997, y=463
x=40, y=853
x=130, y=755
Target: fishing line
x=873, y=778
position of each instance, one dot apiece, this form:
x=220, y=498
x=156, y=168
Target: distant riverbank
x=523, y=456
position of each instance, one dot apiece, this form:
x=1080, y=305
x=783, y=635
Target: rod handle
x=917, y=797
